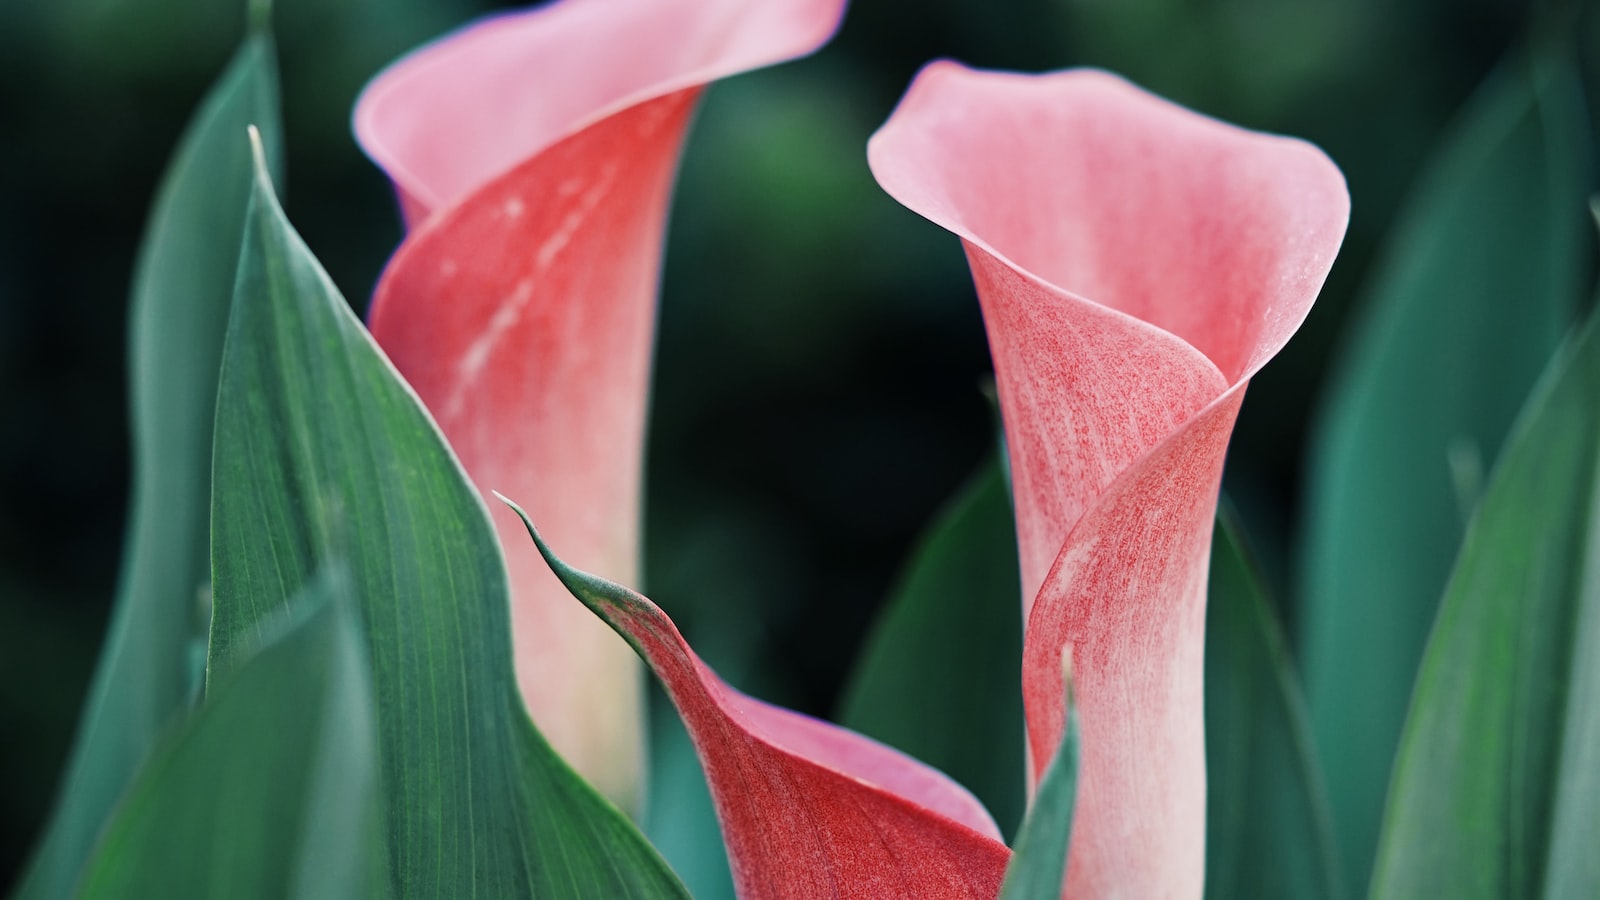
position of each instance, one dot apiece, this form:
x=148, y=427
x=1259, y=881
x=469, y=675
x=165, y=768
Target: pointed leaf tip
x=1038, y=866
x=527, y=522
x=1066, y=674
x=514, y=507
x=258, y=157
x=591, y=590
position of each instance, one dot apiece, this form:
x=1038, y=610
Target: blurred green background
x=820, y=357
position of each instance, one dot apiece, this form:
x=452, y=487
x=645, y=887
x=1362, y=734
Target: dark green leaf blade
x=323, y=453
x=1268, y=829
x=1496, y=792
x=1483, y=276
x=1038, y=865
x=939, y=677
x=271, y=789
x=149, y=665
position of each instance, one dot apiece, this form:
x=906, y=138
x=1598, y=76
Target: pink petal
x=807, y=809
x=1136, y=263
x=535, y=153
x=452, y=115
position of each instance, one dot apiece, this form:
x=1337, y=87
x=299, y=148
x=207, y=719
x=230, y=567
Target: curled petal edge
x=422, y=119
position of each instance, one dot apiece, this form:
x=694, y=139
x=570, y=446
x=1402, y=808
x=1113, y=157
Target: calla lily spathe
x=1137, y=263
x=533, y=155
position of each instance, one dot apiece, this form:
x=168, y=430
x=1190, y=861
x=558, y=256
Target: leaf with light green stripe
x=323, y=453
x=271, y=789
x=1038, y=866
x=1483, y=275
x=960, y=601
x=1496, y=790
x=149, y=667
x=1268, y=830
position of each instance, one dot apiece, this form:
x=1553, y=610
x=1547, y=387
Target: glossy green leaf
x=323, y=453
x=1268, y=829
x=940, y=675
x=1482, y=276
x=1496, y=790
x=148, y=673
x=1038, y=865
x=271, y=789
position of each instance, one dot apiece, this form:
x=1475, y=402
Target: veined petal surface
x=1137, y=263
x=533, y=154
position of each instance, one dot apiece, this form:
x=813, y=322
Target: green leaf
x=1268, y=829
x=1038, y=866
x=1496, y=790
x=271, y=789
x=1482, y=277
x=149, y=667
x=324, y=453
x=940, y=675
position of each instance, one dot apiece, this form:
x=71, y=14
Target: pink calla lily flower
x=1137, y=263
x=533, y=155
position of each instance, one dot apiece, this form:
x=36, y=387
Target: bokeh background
x=821, y=358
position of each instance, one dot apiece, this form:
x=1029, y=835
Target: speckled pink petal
x=1136, y=263
x=534, y=155
x=808, y=809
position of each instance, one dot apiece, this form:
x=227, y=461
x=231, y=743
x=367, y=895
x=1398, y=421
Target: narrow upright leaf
x=1038, y=866
x=149, y=666
x=1496, y=789
x=323, y=453
x=939, y=676
x=1482, y=276
x=1268, y=829
x=271, y=789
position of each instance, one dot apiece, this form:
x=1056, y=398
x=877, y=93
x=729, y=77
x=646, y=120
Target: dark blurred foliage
x=820, y=355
